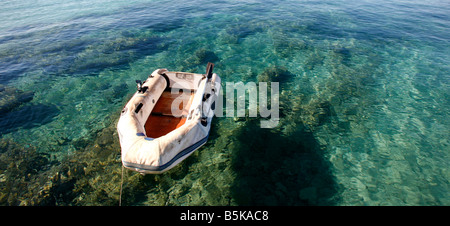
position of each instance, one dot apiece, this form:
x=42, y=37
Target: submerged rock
x=21, y=169
x=11, y=98
x=275, y=74
x=90, y=176
x=27, y=117
x=235, y=33
x=288, y=46
x=344, y=53
x=202, y=56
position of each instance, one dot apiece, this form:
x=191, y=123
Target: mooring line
x=121, y=183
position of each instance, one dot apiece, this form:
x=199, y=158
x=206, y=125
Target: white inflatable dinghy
x=167, y=119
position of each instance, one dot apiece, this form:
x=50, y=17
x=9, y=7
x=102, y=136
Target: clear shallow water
x=364, y=101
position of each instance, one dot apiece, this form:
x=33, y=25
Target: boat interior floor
x=162, y=121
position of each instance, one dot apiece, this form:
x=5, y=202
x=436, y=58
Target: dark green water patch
x=27, y=117
x=12, y=98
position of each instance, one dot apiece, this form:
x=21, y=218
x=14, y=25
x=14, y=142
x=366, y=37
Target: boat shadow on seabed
x=273, y=169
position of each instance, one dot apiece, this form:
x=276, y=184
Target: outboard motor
x=209, y=74
x=139, y=85
x=140, y=88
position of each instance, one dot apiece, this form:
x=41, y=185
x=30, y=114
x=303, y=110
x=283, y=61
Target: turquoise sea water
x=364, y=101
